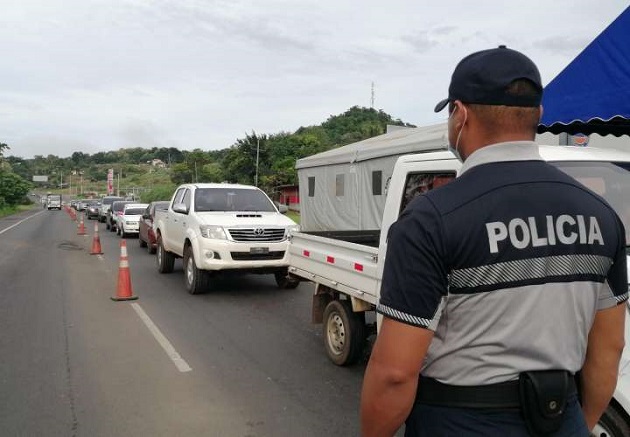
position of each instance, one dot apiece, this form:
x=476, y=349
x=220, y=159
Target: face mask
x=455, y=148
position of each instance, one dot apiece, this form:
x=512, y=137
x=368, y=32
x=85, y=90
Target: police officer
x=501, y=286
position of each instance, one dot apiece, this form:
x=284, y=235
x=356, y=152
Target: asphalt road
x=75, y=363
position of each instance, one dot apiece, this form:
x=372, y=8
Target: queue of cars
x=214, y=227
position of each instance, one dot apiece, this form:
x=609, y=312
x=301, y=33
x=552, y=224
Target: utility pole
x=372, y=100
x=118, y=186
x=196, y=177
x=257, y=155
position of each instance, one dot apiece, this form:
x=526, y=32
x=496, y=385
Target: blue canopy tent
x=592, y=94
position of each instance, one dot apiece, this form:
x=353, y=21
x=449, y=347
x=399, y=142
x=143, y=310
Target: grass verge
x=294, y=215
x=14, y=209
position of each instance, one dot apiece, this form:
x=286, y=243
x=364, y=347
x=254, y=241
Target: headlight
x=292, y=229
x=214, y=232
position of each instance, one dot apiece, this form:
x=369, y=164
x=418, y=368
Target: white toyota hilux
x=223, y=227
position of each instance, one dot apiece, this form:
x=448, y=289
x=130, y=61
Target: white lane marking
x=179, y=362
x=20, y=222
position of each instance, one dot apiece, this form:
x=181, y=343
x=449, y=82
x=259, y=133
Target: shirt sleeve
x=415, y=272
x=616, y=291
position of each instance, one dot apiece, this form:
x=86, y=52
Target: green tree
x=212, y=172
x=3, y=147
x=12, y=188
x=181, y=174
x=240, y=160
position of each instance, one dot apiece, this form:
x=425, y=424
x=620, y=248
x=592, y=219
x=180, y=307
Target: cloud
x=561, y=44
x=45, y=144
x=229, y=21
x=421, y=42
x=141, y=133
x=444, y=30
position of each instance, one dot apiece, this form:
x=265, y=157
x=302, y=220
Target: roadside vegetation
x=153, y=173
x=294, y=215
x=13, y=187
x=10, y=210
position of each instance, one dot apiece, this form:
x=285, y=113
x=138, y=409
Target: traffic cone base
x=118, y=299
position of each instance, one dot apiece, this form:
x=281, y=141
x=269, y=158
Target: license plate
x=258, y=250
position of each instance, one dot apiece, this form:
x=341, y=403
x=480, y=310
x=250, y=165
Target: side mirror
x=180, y=208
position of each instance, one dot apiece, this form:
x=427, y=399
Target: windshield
x=232, y=199
x=110, y=200
x=609, y=180
x=118, y=206
x=134, y=211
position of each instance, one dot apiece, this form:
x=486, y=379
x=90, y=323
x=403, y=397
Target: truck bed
x=366, y=238
x=337, y=260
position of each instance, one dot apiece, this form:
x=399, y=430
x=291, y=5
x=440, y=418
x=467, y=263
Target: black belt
x=501, y=395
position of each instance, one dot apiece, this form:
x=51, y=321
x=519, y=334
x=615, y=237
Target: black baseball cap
x=482, y=78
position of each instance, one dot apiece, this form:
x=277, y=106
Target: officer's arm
x=599, y=373
x=391, y=378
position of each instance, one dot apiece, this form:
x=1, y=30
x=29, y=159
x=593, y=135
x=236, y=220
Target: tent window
x=311, y=186
x=377, y=183
x=339, y=185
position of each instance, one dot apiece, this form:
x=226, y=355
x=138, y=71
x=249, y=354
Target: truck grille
x=257, y=234
x=246, y=256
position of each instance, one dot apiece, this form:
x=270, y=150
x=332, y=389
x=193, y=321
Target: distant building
x=288, y=195
x=157, y=163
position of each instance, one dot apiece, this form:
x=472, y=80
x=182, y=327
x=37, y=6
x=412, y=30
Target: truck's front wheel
x=344, y=332
x=165, y=260
x=613, y=423
x=196, y=280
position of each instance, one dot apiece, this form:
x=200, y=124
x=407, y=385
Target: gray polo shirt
x=508, y=264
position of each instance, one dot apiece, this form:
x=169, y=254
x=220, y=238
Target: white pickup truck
x=223, y=227
x=347, y=266
x=53, y=201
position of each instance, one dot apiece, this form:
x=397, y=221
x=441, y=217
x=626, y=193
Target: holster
x=543, y=395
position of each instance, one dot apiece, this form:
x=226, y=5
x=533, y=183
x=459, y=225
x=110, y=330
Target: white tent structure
x=345, y=188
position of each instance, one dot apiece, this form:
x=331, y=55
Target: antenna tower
x=372, y=100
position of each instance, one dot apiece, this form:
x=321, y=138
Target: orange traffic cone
x=124, y=291
x=96, y=242
x=81, y=227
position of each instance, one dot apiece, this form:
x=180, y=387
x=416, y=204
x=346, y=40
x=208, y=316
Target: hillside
x=84, y=172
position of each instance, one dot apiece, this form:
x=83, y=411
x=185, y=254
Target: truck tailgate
x=348, y=267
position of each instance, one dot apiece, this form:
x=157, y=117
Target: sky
x=93, y=75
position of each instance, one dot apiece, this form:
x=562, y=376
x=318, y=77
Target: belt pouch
x=543, y=396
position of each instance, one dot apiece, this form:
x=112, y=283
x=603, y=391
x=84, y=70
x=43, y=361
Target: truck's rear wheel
x=165, y=260
x=196, y=280
x=612, y=423
x=284, y=281
x=344, y=332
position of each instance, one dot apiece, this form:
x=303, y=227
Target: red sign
x=110, y=181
